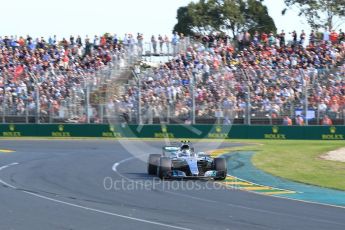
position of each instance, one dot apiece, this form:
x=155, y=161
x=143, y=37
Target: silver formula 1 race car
x=181, y=161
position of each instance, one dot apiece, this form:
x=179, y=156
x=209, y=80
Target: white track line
x=9, y=165
x=88, y=208
x=114, y=168
x=4, y=167
x=8, y=185
x=107, y=213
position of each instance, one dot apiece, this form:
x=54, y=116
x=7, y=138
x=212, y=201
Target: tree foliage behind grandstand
x=229, y=16
x=327, y=14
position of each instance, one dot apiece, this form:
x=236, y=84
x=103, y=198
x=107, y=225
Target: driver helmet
x=185, y=152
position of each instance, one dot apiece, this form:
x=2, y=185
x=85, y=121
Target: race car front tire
x=153, y=164
x=164, y=167
x=221, y=168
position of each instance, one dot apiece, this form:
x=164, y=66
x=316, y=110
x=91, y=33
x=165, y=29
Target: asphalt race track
x=99, y=184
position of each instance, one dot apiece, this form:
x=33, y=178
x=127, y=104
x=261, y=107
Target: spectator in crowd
x=312, y=38
x=294, y=37
x=322, y=108
x=166, y=41
x=341, y=36
x=326, y=36
x=302, y=38
x=282, y=38
x=299, y=120
x=154, y=44
x=140, y=39
x=287, y=120
x=161, y=42
x=326, y=120
x=333, y=37
x=174, y=42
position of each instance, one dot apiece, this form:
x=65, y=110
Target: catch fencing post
x=26, y=113
x=87, y=103
x=305, y=87
x=101, y=113
x=192, y=86
x=51, y=111
x=168, y=112
x=248, y=105
x=37, y=94
x=4, y=102
x=271, y=122
x=137, y=75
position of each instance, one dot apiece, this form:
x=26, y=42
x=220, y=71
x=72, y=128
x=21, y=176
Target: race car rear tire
x=164, y=167
x=221, y=168
x=153, y=163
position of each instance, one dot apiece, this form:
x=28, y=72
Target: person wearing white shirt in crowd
x=322, y=108
x=96, y=42
x=326, y=36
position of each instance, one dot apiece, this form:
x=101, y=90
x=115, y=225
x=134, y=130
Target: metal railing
x=263, y=99
x=165, y=47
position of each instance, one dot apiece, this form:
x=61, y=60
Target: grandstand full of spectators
x=59, y=69
x=256, y=76
x=259, y=76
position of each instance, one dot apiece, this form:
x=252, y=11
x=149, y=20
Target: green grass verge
x=299, y=161
x=296, y=160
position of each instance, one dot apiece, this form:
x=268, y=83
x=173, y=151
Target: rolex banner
x=173, y=131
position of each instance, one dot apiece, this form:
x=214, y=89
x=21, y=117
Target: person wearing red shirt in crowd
x=326, y=120
x=103, y=41
x=21, y=41
x=264, y=38
x=65, y=61
x=333, y=37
